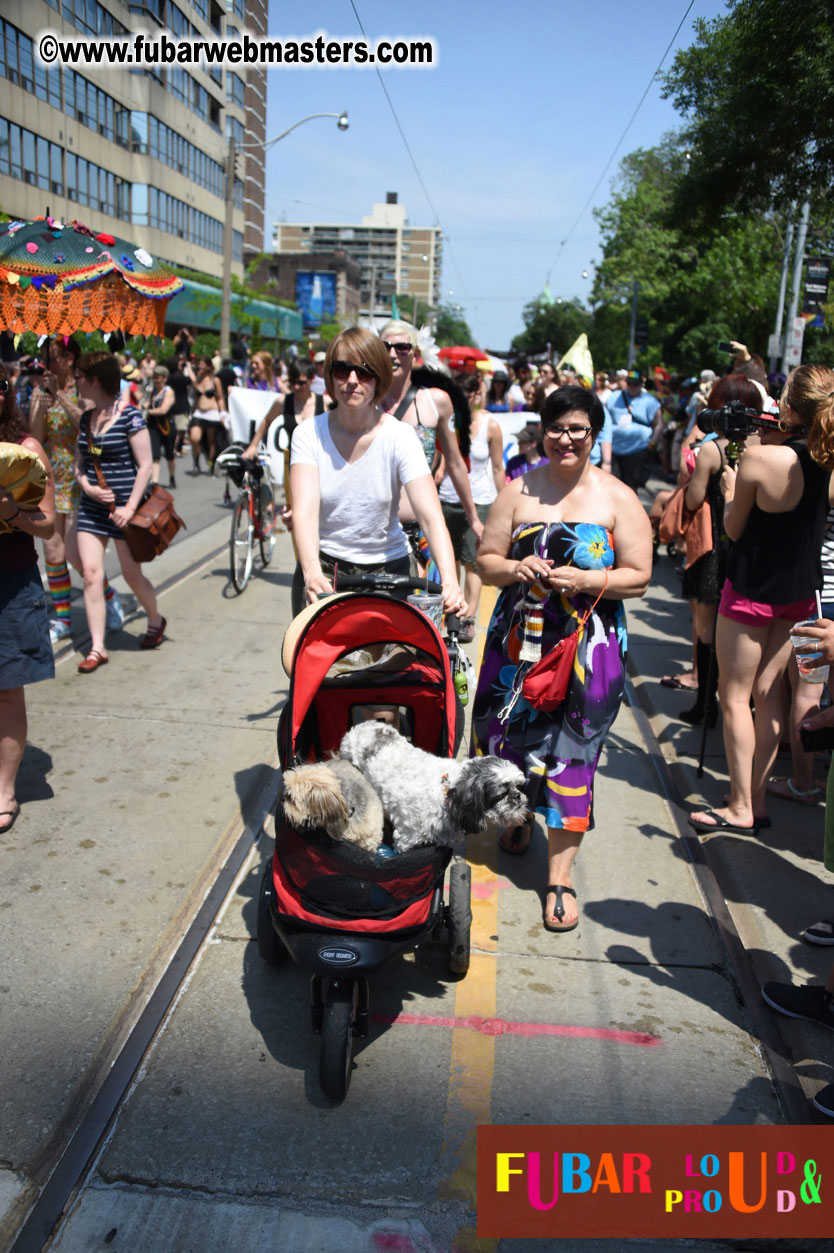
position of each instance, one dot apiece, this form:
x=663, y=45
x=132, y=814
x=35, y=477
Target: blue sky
x=510, y=132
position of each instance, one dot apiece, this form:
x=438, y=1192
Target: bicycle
x=253, y=517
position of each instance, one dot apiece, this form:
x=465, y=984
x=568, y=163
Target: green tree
x=451, y=327
x=554, y=322
x=697, y=284
x=405, y=304
x=758, y=88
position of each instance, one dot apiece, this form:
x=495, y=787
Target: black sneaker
x=821, y=932
x=813, y=1001
x=824, y=1100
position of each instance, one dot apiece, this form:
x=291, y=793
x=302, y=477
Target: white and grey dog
x=334, y=796
x=434, y=800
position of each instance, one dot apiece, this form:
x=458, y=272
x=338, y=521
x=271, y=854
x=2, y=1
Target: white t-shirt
x=480, y=473
x=359, y=501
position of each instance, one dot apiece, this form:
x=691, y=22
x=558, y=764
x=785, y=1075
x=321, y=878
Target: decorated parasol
x=58, y=278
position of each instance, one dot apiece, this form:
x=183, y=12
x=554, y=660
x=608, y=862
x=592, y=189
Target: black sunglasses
x=4, y=386
x=400, y=348
x=342, y=370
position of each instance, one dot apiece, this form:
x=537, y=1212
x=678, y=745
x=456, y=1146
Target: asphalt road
x=137, y=783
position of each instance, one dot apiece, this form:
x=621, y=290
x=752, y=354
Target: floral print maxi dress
x=558, y=751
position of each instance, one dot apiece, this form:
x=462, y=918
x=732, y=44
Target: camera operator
x=732, y=402
x=775, y=509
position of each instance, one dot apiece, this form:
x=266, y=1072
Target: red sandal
x=153, y=637
x=92, y=661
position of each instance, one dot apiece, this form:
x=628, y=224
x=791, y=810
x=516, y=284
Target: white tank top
x=480, y=473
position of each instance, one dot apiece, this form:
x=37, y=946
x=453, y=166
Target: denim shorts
x=25, y=647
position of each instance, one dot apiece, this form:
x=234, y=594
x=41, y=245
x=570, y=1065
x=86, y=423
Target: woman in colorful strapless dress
x=563, y=542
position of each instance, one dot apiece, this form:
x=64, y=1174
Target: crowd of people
x=396, y=466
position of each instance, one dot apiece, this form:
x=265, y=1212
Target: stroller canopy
x=327, y=631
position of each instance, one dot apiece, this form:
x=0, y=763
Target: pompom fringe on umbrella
x=58, y=278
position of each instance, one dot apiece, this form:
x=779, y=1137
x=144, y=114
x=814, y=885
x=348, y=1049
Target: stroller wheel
x=269, y=945
x=459, y=916
x=336, y=1061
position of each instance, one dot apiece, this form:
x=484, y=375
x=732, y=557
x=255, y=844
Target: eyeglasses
x=342, y=370
x=576, y=434
x=4, y=386
x=300, y=382
x=402, y=349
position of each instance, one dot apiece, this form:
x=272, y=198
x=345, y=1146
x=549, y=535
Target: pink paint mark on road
x=501, y=1026
x=483, y=891
x=394, y=1242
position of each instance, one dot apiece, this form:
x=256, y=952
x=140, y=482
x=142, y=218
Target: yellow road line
x=472, y=1062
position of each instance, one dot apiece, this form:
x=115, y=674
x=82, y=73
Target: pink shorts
x=756, y=614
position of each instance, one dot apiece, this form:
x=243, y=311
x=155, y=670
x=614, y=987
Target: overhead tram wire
x=407, y=147
x=619, y=142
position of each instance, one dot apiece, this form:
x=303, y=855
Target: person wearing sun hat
x=632, y=413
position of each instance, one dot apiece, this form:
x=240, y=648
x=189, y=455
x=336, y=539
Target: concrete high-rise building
x=137, y=152
x=394, y=256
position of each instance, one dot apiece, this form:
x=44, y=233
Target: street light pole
x=225, y=291
x=233, y=149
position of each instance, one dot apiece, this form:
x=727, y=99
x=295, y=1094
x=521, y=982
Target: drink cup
x=818, y=674
x=431, y=606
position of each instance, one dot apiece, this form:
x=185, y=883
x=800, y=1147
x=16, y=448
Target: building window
x=139, y=205
x=235, y=89
x=139, y=131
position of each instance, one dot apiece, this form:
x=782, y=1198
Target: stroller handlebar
x=387, y=583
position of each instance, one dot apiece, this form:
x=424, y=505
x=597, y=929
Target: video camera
x=735, y=421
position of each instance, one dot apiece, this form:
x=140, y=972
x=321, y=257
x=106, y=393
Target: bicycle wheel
x=266, y=522
x=241, y=544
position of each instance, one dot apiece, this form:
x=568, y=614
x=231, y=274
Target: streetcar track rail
x=112, y=1072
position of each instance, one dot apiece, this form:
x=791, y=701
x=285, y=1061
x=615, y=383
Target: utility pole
x=783, y=287
x=225, y=300
x=796, y=282
x=372, y=305
x=632, y=333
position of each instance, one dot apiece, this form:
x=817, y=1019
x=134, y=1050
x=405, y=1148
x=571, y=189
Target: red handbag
x=545, y=685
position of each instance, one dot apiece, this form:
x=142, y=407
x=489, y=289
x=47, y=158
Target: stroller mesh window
x=343, y=881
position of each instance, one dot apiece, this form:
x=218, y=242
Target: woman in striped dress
x=115, y=435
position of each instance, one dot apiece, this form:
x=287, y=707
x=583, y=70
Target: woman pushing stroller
x=347, y=471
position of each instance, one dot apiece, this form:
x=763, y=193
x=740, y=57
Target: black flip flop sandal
x=559, y=911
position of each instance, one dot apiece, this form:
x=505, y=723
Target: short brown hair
x=103, y=367
x=360, y=347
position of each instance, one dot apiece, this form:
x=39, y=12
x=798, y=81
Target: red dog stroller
x=335, y=908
